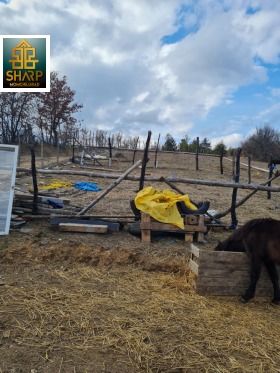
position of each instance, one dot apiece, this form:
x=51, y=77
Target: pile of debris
x=61, y=213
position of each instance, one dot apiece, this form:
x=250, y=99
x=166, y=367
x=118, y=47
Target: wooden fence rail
x=155, y=179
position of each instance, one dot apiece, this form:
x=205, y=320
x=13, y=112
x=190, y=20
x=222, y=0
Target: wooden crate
x=224, y=273
x=192, y=224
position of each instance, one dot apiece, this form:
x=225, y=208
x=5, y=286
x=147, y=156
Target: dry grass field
x=109, y=303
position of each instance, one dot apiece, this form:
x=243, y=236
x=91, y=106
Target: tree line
x=263, y=145
x=188, y=145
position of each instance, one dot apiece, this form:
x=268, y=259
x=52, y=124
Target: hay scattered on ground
x=87, y=303
x=153, y=320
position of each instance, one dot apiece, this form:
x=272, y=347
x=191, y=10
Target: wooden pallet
x=224, y=273
x=192, y=224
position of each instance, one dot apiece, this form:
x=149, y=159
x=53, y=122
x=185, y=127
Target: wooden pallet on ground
x=192, y=224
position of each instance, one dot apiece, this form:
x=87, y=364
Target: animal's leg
x=273, y=275
x=256, y=266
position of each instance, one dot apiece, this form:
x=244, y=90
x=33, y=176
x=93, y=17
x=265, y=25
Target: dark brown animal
x=260, y=238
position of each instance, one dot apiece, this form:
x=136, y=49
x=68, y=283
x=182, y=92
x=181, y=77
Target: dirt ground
x=109, y=303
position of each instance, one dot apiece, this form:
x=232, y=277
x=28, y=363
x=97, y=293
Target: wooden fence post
x=221, y=160
x=233, y=164
x=234, y=220
x=196, y=154
x=42, y=153
x=57, y=152
x=34, y=178
x=249, y=169
x=19, y=151
x=156, y=163
x=73, y=149
x=145, y=161
x=270, y=165
x=110, y=152
x=135, y=150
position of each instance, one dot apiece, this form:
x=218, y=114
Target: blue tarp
x=87, y=186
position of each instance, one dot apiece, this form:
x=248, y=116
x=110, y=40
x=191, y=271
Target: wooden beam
x=48, y=216
x=157, y=226
x=85, y=228
x=41, y=198
x=255, y=187
x=112, y=225
x=112, y=186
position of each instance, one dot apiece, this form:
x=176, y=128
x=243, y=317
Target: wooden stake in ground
x=249, y=169
x=270, y=176
x=135, y=149
x=112, y=186
x=156, y=153
x=145, y=161
x=196, y=154
x=34, y=178
x=110, y=152
x=221, y=160
x=234, y=220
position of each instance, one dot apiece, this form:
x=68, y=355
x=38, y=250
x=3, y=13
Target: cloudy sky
x=207, y=68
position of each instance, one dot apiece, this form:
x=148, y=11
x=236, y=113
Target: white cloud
x=231, y=141
x=112, y=54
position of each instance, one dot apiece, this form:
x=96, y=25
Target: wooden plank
x=231, y=280
x=195, y=250
x=145, y=232
x=43, y=199
x=70, y=227
x=155, y=226
x=244, y=266
x=189, y=237
x=223, y=256
x=200, y=236
x=191, y=219
x=193, y=267
x=112, y=226
x=230, y=256
x=221, y=272
x=230, y=290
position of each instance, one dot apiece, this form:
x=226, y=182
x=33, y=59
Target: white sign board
x=8, y=167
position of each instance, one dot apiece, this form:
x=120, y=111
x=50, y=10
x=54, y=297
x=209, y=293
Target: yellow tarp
x=161, y=205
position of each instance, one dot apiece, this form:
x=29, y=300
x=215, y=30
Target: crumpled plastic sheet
x=161, y=205
x=87, y=186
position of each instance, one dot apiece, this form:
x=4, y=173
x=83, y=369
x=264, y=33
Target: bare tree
x=101, y=138
x=15, y=110
x=56, y=108
x=119, y=139
x=264, y=143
